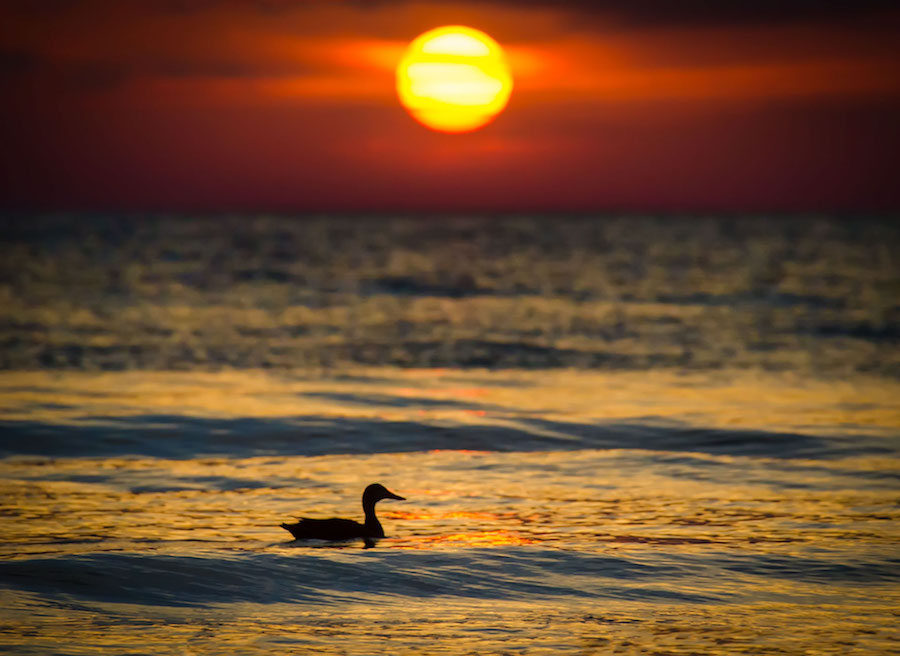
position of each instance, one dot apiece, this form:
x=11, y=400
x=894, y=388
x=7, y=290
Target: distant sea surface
x=648, y=435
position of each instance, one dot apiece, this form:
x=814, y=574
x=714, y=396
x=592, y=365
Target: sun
x=454, y=79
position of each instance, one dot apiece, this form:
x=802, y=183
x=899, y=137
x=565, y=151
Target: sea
x=635, y=434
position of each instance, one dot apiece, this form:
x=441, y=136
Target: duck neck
x=373, y=526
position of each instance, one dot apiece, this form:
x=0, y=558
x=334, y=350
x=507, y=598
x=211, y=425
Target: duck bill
x=391, y=495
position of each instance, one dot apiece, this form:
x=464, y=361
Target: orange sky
x=290, y=106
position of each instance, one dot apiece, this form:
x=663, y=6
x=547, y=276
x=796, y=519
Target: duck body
x=345, y=529
x=329, y=529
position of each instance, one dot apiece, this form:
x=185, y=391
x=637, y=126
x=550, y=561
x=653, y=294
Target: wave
x=514, y=574
x=314, y=578
x=178, y=436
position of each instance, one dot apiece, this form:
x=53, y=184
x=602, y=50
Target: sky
x=268, y=105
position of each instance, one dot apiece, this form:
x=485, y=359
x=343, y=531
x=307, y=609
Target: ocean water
x=627, y=435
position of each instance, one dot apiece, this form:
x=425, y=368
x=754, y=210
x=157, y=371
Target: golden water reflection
x=708, y=549
x=736, y=399
x=71, y=504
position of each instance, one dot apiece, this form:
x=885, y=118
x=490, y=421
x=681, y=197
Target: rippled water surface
x=681, y=438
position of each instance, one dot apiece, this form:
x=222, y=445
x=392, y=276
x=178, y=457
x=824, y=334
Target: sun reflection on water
x=476, y=539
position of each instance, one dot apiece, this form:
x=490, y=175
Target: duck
x=338, y=529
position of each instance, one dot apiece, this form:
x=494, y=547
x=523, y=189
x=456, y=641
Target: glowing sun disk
x=454, y=79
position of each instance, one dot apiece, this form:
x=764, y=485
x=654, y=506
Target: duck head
x=376, y=492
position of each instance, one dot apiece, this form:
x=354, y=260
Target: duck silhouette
x=346, y=529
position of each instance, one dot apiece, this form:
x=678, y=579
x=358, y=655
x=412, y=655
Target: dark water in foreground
x=627, y=436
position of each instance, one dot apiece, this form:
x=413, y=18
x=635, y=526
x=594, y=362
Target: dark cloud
x=196, y=6
x=17, y=62
x=97, y=75
x=18, y=68
x=43, y=7
x=627, y=12
x=677, y=14
x=716, y=12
